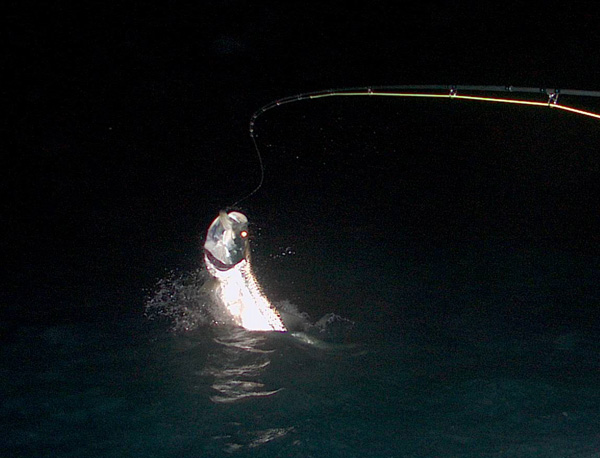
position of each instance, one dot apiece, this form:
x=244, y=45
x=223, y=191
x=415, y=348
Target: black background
x=127, y=125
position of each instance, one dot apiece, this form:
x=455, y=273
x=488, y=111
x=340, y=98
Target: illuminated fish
x=227, y=259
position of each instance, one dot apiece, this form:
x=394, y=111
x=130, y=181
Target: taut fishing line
x=456, y=92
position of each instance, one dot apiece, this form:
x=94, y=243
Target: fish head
x=226, y=242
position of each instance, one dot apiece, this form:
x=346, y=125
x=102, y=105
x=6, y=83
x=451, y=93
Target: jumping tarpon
x=227, y=260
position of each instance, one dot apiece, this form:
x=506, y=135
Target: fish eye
x=244, y=234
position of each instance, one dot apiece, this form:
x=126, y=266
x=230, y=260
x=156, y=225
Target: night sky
x=127, y=127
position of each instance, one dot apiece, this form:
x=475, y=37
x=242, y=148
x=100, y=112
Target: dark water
x=477, y=350
x=454, y=261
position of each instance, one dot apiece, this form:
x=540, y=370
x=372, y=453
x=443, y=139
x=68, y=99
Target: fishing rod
x=515, y=95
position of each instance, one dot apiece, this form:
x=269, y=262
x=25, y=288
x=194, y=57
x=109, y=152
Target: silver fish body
x=227, y=260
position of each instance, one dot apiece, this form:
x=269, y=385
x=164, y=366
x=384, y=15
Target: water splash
x=184, y=300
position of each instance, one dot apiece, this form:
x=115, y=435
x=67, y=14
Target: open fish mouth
x=227, y=240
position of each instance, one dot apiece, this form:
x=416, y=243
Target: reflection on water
x=237, y=365
x=262, y=437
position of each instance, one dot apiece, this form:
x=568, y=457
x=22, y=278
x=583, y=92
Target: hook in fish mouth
x=226, y=242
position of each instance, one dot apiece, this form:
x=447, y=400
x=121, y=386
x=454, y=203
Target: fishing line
x=260, y=164
x=427, y=91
